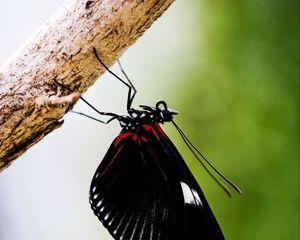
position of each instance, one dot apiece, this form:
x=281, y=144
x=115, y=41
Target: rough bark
x=62, y=51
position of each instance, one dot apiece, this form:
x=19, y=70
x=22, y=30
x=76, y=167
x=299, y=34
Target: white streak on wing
x=151, y=232
x=99, y=203
x=120, y=223
x=158, y=236
x=111, y=221
x=153, y=219
x=95, y=196
x=190, y=195
x=113, y=216
x=106, y=216
x=165, y=215
x=142, y=230
x=126, y=226
x=134, y=229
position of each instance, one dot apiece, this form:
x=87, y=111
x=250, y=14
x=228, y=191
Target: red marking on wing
x=108, y=166
x=134, y=137
x=121, y=137
x=159, y=129
x=150, y=128
x=156, y=130
x=138, y=138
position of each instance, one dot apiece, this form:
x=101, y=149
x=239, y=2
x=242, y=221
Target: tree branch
x=31, y=103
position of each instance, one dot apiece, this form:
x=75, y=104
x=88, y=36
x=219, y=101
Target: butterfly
x=143, y=189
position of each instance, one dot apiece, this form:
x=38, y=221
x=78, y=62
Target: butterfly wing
x=142, y=190
x=200, y=222
x=127, y=194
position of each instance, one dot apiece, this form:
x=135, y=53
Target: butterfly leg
x=130, y=86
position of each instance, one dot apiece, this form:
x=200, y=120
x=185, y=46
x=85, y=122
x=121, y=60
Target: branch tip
x=71, y=98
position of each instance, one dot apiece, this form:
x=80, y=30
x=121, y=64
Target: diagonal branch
x=62, y=51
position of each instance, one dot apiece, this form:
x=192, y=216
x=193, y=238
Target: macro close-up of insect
x=142, y=188
x=149, y=120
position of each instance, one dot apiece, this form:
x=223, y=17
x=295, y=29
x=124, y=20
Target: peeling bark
x=62, y=51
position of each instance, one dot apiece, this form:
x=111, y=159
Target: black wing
x=143, y=190
x=200, y=222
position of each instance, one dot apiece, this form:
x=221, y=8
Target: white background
x=44, y=193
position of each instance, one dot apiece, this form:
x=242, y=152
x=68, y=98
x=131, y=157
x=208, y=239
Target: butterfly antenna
x=193, y=149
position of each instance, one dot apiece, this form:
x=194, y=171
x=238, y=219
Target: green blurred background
x=232, y=71
x=240, y=102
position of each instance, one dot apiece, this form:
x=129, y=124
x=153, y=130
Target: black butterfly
x=142, y=189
